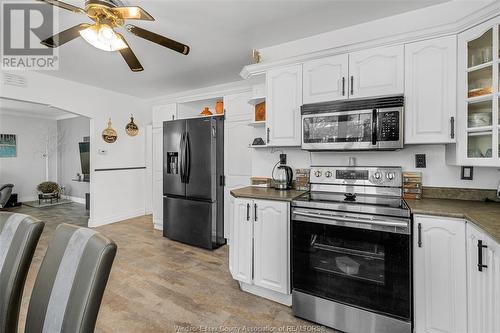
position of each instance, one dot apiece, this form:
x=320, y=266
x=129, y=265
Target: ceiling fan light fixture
x=103, y=37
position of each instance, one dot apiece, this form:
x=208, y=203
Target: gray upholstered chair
x=5, y=192
x=19, y=235
x=71, y=281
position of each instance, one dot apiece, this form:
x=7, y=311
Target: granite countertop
x=266, y=193
x=485, y=215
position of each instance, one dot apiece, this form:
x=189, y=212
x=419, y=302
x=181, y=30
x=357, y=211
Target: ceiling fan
x=108, y=15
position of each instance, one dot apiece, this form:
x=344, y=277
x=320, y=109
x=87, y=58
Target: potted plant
x=48, y=190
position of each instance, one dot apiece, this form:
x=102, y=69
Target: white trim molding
x=339, y=41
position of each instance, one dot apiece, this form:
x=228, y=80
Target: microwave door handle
x=374, y=127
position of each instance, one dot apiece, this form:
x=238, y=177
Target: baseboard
x=26, y=199
x=74, y=199
x=284, y=299
x=158, y=224
x=93, y=222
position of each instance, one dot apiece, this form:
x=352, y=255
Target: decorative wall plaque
x=132, y=129
x=109, y=134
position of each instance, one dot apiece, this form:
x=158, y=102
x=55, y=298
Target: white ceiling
x=35, y=110
x=221, y=35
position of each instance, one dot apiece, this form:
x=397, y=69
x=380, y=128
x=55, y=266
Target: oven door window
x=355, y=127
x=363, y=268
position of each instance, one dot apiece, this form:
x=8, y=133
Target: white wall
x=118, y=194
x=70, y=132
x=27, y=170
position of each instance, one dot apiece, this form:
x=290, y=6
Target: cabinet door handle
x=452, y=123
x=480, y=247
x=419, y=235
x=343, y=86
x=268, y=131
x=255, y=212
x=248, y=212
x=352, y=84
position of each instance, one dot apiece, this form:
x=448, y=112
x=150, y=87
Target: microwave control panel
x=388, y=126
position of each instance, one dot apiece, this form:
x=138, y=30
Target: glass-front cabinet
x=478, y=95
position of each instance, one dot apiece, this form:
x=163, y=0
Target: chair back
x=19, y=235
x=71, y=281
x=5, y=192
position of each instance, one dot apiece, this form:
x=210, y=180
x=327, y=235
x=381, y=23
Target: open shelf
x=257, y=146
x=256, y=100
x=192, y=109
x=257, y=123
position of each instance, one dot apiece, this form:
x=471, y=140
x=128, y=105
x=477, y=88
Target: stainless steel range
x=351, y=250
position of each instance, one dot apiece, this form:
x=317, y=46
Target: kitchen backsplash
x=436, y=174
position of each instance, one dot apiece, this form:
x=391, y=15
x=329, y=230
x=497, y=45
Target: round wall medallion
x=132, y=129
x=109, y=134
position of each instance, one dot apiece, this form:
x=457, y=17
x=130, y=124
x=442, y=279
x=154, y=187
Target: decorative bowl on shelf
x=260, y=112
x=258, y=142
x=206, y=112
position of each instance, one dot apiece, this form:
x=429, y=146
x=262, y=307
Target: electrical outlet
x=467, y=173
x=420, y=161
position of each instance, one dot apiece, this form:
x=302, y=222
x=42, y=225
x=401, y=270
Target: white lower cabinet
x=241, y=248
x=259, y=253
x=439, y=275
x=483, y=282
x=430, y=90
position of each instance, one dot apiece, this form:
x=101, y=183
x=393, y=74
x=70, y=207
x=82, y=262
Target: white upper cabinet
x=439, y=275
x=241, y=247
x=236, y=107
x=483, y=282
x=284, y=99
x=478, y=95
x=271, y=244
x=430, y=90
x=163, y=113
x=376, y=72
x=325, y=79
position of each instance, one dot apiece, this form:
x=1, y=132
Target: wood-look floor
x=158, y=285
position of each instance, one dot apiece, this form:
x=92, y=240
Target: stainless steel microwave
x=361, y=124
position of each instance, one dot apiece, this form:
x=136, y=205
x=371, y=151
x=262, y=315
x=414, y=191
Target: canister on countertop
x=302, y=179
x=412, y=185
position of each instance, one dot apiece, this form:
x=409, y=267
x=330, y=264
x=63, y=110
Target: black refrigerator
x=193, y=181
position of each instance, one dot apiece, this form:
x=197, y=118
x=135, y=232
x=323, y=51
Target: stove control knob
x=390, y=175
x=377, y=175
x=317, y=173
x=328, y=174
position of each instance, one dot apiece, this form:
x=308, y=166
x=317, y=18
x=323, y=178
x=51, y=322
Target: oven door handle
x=353, y=220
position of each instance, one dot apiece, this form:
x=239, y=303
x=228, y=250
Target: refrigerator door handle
x=181, y=158
x=188, y=157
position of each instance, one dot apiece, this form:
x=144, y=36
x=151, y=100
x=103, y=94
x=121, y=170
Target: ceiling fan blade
x=64, y=5
x=129, y=57
x=158, y=39
x=65, y=36
x=132, y=13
